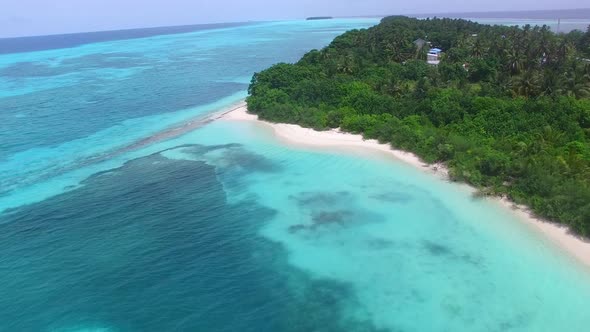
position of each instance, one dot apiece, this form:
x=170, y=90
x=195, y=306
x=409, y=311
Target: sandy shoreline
x=296, y=135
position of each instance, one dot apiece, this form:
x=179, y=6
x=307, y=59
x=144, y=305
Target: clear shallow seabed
x=112, y=221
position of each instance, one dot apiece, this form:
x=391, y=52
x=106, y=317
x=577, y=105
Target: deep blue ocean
x=125, y=207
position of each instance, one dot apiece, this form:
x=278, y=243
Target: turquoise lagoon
x=124, y=208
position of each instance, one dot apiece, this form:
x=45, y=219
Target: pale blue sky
x=42, y=17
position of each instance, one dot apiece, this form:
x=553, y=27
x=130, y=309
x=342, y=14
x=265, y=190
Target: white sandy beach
x=296, y=135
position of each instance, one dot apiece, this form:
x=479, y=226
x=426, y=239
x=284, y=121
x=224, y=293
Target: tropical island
x=315, y=18
x=506, y=109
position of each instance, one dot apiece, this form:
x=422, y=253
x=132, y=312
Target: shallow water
x=111, y=223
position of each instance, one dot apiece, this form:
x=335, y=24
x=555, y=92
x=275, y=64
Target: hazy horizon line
x=454, y=13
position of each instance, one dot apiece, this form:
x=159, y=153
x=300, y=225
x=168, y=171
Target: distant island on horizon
x=580, y=13
x=314, y=18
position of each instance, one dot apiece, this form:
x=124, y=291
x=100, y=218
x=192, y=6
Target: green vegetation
x=507, y=109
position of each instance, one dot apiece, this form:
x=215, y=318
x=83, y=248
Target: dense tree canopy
x=506, y=109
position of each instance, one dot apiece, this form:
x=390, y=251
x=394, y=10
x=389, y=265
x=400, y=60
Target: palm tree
x=544, y=47
x=515, y=60
x=477, y=49
x=550, y=83
x=421, y=53
x=391, y=51
x=526, y=85
x=347, y=64
x=326, y=53
x=392, y=87
x=372, y=42
x=546, y=138
x=576, y=82
x=564, y=52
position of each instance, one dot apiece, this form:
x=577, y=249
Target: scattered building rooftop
x=433, y=56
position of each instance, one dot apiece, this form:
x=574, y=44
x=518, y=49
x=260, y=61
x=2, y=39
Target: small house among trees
x=433, y=56
x=420, y=43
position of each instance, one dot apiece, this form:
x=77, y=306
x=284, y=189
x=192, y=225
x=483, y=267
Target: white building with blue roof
x=433, y=56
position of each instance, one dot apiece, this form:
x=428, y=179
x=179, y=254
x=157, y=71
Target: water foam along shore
x=299, y=136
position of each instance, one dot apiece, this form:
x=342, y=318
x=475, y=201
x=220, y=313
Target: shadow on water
x=155, y=246
x=331, y=211
x=444, y=251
